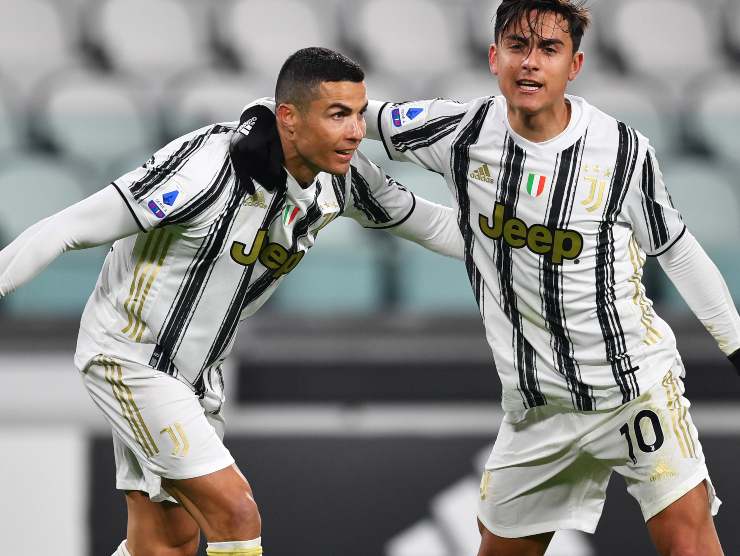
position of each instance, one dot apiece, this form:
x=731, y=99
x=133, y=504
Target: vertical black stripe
x=525, y=360
x=655, y=215
x=209, y=197
x=561, y=201
x=459, y=165
x=161, y=172
x=194, y=283
x=231, y=317
x=616, y=348
x=247, y=293
x=365, y=201
x=340, y=187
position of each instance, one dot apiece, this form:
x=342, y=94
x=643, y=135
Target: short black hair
x=307, y=68
x=575, y=12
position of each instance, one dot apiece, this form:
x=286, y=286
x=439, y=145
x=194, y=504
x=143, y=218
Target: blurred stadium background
x=363, y=399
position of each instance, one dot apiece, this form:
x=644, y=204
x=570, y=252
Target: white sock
x=235, y=547
x=121, y=550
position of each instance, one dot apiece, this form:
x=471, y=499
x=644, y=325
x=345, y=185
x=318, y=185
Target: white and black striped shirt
x=556, y=235
x=210, y=254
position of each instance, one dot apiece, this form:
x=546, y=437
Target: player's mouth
x=345, y=155
x=528, y=85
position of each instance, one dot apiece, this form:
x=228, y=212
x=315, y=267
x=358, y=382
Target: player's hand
x=735, y=360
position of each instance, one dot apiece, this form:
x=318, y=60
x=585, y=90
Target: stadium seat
x=637, y=102
x=95, y=117
x=210, y=96
x=713, y=221
x=685, y=47
x=11, y=132
x=712, y=113
x=35, y=187
x=150, y=39
x=263, y=33
x=468, y=85
x=33, y=41
x=414, y=39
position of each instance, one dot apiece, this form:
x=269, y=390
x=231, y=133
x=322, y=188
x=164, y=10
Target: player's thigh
x=537, y=480
x=159, y=421
x=653, y=443
x=159, y=528
x=493, y=545
x=686, y=526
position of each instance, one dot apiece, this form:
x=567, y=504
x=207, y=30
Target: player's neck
x=295, y=164
x=543, y=125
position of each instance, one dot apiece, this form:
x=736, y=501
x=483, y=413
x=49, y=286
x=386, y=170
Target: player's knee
x=239, y=517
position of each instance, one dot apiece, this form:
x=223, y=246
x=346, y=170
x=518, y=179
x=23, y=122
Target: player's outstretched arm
x=700, y=283
x=433, y=226
x=97, y=220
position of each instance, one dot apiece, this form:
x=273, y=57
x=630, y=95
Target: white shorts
x=160, y=428
x=550, y=466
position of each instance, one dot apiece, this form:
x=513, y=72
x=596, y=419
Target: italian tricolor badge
x=536, y=184
x=289, y=214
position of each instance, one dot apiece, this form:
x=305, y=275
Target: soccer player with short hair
x=204, y=232
x=558, y=205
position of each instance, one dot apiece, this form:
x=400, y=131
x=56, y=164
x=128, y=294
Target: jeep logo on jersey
x=273, y=255
x=558, y=244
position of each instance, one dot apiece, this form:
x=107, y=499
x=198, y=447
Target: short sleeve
x=374, y=199
x=656, y=223
x=175, y=180
x=421, y=132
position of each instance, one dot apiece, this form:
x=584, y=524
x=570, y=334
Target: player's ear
x=576, y=65
x=287, y=115
x=492, y=59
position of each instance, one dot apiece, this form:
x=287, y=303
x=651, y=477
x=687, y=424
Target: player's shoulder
x=411, y=115
x=603, y=122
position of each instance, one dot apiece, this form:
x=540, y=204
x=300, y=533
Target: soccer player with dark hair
x=559, y=204
x=204, y=232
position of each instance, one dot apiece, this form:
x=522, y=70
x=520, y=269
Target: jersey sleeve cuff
x=665, y=248
x=128, y=205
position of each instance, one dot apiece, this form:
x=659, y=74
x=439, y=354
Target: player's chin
x=337, y=168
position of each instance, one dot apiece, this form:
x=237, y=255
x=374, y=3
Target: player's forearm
x=97, y=220
x=433, y=226
x=701, y=285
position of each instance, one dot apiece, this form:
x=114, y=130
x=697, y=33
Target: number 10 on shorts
x=641, y=420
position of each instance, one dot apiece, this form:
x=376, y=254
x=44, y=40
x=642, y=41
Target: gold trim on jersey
x=652, y=336
x=678, y=416
x=129, y=409
x=145, y=273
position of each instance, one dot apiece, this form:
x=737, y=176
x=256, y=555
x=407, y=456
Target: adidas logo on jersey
x=247, y=126
x=482, y=174
x=256, y=200
x=557, y=244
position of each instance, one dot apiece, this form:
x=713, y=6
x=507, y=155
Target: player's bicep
x=374, y=199
x=656, y=222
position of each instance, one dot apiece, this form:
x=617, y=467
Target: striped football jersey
x=556, y=235
x=210, y=252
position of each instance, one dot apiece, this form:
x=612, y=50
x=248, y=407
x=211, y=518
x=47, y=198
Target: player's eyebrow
x=516, y=38
x=339, y=105
x=551, y=42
